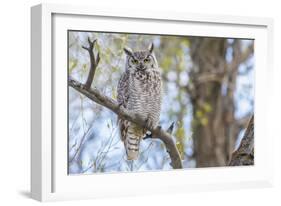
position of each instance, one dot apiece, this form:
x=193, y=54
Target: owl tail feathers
x=132, y=142
x=132, y=147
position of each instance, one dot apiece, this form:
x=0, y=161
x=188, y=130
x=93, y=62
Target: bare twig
x=94, y=61
x=96, y=96
x=171, y=128
x=79, y=146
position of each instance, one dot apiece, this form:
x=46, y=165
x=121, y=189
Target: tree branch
x=244, y=155
x=94, y=61
x=247, y=53
x=243, y=122
x=209, y=77
x=96, y=96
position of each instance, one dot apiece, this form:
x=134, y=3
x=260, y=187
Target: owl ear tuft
x=150, y=48
x=128, y=51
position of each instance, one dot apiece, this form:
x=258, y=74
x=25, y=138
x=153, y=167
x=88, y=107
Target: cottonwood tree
x=212, y=88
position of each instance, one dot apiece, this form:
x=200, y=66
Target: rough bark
x=96, y=96
x=244, y=155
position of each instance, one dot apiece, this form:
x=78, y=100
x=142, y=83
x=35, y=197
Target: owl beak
x=141, y=66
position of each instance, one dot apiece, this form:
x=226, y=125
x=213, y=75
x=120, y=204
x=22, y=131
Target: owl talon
x=147, y=136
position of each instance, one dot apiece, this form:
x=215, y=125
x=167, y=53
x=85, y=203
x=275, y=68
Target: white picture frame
x=49, y=179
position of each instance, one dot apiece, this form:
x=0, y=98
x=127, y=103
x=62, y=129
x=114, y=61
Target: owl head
x=141, y=60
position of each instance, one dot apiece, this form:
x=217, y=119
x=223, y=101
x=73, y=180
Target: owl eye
x=147, y=60
x=135, y=61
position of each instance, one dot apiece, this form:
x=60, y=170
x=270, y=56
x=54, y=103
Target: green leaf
x=72, y=65
x=204, y=121
x=207, y=107
x=180, y=148
x=199, y=113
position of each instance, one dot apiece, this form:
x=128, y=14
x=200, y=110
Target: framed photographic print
x=137, y=102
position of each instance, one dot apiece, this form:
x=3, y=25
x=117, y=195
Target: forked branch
x=94, y=61
x=96, y=96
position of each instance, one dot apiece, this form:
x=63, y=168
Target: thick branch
x=209, y=77
x=95, y=95
x=244, y=155
x=243, y=122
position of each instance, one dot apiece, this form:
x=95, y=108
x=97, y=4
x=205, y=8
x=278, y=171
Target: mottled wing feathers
x=122, y=99
x=122, y=90
x=130, y=133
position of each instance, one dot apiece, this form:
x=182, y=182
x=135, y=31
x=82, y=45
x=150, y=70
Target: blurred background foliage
x=208, y=90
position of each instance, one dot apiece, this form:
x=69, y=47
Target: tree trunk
x=244, y=155
x=211, y=90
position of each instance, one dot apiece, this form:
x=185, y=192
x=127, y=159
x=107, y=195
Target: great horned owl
x=139, y=90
